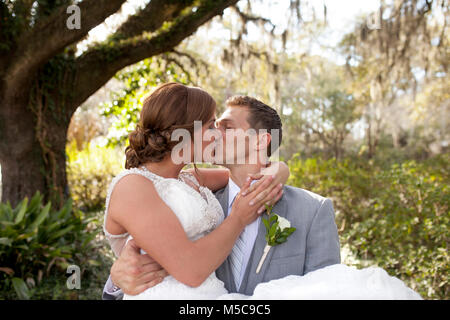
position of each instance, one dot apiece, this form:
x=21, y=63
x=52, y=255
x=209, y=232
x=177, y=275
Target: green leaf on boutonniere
x=273, y=229
x=278, y=229
x=273, y=218
x=266, y=223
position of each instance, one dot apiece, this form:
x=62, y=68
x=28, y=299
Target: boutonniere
x=278, y=229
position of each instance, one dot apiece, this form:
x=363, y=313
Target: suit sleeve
x=322, y=242
x=109, y=293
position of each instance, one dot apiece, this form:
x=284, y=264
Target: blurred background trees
x=365, y=109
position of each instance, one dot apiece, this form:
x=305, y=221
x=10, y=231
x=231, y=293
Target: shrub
x=89, y=173
x=396, y=217
x=35, y=239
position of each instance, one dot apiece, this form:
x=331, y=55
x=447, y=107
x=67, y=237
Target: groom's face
x=233, y=125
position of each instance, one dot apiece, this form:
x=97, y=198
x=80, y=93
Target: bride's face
x=207, y=140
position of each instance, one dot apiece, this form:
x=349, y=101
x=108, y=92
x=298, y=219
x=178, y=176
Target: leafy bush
x=89, y=173
x=35, y=240
x=396, y=217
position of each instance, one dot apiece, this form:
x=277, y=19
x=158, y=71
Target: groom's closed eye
x=224, y=125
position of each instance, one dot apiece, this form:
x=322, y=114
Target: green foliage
x=138, y=80
x=35, y=240
x=274, y=234
x=324, y=110
x=10, y=25
x=89, y=173
x=395, y=216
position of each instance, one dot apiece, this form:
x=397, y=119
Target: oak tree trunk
x=32, y=150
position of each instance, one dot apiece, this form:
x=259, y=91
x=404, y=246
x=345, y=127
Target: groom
x=314, y=244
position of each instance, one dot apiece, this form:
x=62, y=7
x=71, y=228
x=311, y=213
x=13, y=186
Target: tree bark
x=34, y=120
x=32, y=149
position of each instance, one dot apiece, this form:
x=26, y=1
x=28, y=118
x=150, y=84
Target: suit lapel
x=224, y=271
x=250, y=273
x=222, y=196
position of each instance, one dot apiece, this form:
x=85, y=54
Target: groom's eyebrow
x=226, y=120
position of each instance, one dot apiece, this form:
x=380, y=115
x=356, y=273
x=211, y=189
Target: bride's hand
x=279, y=172
x=246, y=207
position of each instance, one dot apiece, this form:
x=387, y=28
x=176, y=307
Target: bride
x=166, y=211
x=173, y=215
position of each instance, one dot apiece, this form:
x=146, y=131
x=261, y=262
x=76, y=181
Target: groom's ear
x=263, y=141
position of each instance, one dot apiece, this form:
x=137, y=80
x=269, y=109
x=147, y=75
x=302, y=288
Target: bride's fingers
x=244, y=190
x=260, y=177
x=265, y=194
x=277, y=198
x=255, y=176
x=271, y=198
x=261, y=192
x=273, y=194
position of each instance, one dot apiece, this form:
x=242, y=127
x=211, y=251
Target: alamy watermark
x=234, y=146
x=74, y=281
x=74, y=20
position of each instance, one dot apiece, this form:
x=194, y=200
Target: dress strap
x=185, y=175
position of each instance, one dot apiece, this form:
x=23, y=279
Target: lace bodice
x=198, y=213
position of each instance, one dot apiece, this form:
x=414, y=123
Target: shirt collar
x=233, y=190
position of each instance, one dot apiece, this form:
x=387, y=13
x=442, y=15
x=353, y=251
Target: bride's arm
x=212, y=178
x=156, y=229
x=217, y=178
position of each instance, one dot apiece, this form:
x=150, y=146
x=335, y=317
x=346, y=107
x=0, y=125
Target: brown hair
x=171, y=106
x=261, y=116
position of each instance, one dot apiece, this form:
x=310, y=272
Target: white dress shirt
x=248, y=237
x=250, y=232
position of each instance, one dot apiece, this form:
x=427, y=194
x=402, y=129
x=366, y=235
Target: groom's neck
x=239, y=173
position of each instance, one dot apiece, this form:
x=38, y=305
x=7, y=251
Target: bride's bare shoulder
x=131, y=193
x=132, y=181
x=132, y=188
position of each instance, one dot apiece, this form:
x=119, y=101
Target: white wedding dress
x=200, y=213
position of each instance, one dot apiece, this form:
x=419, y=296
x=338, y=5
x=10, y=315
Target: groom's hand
x=134, y=272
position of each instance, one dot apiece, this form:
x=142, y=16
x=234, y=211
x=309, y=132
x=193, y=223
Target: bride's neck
x=165, y=168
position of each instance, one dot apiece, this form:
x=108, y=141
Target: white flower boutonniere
x=278, y=229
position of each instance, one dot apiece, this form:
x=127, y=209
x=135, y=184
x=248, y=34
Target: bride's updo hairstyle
x=171, y=106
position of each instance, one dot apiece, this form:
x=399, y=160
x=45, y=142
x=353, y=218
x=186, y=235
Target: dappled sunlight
x=357, y=90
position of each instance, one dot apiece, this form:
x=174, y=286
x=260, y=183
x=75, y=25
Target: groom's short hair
x=261, y=116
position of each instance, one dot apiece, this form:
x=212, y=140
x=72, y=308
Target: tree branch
x=151, y=18
x=51, y=35
x=193, y=61
x=246, y=17
x=99, y=64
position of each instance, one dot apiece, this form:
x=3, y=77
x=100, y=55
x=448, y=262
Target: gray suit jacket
x=313, y=245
